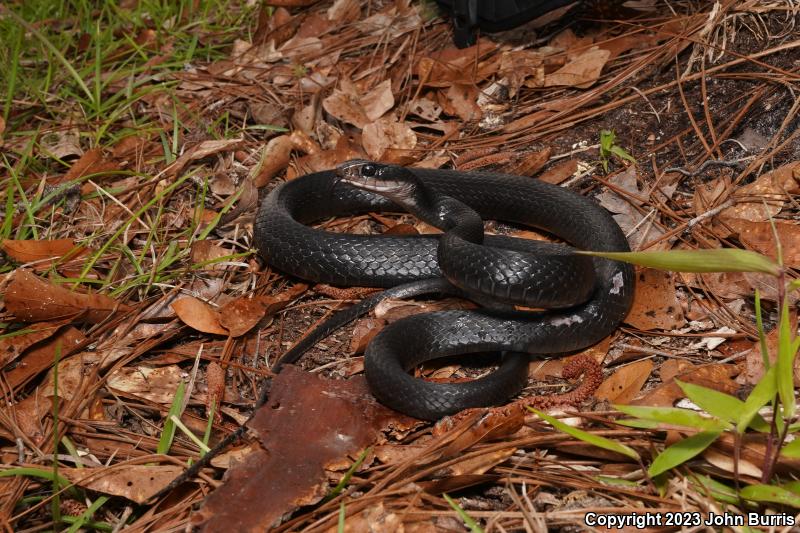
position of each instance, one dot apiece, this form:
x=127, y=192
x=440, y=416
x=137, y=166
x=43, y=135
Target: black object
x=491, y=16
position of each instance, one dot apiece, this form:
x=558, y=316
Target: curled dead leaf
x=198, y=315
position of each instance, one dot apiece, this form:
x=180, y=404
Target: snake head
x=391, y=181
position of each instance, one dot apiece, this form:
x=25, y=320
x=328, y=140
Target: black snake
x=588, y=297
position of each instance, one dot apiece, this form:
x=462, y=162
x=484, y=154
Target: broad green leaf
x=762, y=394
x=793, y=486
x=785, y=363
x=791, y=449
x=713, y=402
x=794, y=285
x=721, y=405
x=715, y=260
x=675, y=416
x=622, y=154
x=638, y=423
x=585, y=436
x=770, y=493
x=682, y=451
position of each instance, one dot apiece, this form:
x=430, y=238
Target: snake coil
x=532, y=275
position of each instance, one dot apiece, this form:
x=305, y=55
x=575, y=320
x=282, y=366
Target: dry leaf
x=378, y=101
x=713, y=376
x=274, y=159
x=155, y=384
x=13, y=344
x=242, y=314
x=582, y=71
x=32, y=299
x=201, y=150
x=41, y=356
x=346, y=419
x=759, y=236
x=765, y=197
x=134, y=482
x=215, y=381
x=198, y=315
x=625, y=383
x=386, y=134
x=560, y=172
x=655, y=303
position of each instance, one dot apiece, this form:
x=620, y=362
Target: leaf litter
x=126, y=254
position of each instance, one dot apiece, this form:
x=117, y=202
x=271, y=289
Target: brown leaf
x=582, y=71
x=346, y=107
x=463, y=100
x=625, y=383
x=560, y=172
x=771, y=189
x=754, y=360
x=378, y=101
x=134, y=482
x=41, y=356
x=201, y=150
x=714, y=376
x=43, y=252
x=363, y=332
x=240, y=315
x=32, y=299
x=655, y=304
x=198, y=315
x=385, y=134
x=155, y=384
x=91, y=162
x=758, y=236
x=532, y=163
x=205, y=251
x=12, y=345
x=274, y=159
x=333, y=419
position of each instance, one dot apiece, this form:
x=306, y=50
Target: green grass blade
x=713, y=402
x=585, y=436
x=55, y=51
x=87, y=514
x=716, y=260
x=168, y=434
x=348, y=475
x=682, y=451
x=468, y=520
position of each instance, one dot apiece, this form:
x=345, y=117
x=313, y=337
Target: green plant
x=609, y=148
x=723, y=413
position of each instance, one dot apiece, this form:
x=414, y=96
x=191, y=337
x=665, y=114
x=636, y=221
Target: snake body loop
x=591, y=297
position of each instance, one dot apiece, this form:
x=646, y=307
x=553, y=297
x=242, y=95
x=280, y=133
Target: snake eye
x=368, y=170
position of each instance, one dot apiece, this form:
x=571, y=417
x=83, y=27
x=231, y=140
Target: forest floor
x=138, y=322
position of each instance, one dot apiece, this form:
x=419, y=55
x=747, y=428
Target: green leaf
x=762, y=394
x=84, y=518
x=791, y=449
x=165, y=442
x=622, y=154
x=713, y=402
x=785, y=363
x=638, y=423
x=675, y=417
x=770, y=493
x=594, y=440
x=715, y=260
x=794, y=285
x=682, y=451
x=718, y=491
x=348, y=475
x=762, y=337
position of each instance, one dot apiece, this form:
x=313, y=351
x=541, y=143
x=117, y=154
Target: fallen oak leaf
x=44, y=252
x=32, y=299
x=198, y=315
x=625, y=382
x=134, y=482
